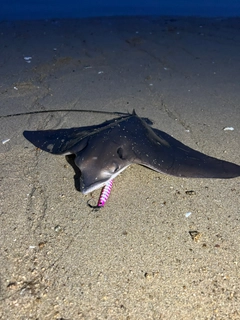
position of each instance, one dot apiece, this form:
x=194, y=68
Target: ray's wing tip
x=232, y=170
x=27, y=134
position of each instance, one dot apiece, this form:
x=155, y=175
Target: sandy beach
x=163, y=247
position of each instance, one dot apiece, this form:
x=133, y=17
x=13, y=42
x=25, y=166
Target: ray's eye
x=120, y=153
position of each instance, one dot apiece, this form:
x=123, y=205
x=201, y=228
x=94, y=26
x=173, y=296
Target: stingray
x=103, y=151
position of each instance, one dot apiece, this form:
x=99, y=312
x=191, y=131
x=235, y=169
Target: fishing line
x=64, y=110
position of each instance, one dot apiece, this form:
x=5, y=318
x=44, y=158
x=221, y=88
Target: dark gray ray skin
x=103, y=151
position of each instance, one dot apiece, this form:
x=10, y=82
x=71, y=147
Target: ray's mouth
x=87, y=188
x=94, y=184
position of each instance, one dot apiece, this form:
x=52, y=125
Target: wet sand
x=140, y=257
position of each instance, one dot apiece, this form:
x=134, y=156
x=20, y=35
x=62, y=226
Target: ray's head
x=100, y=163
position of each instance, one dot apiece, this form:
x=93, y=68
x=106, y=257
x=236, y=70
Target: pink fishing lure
x=106, y=190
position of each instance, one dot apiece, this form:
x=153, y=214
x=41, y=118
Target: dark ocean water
x=49, y=9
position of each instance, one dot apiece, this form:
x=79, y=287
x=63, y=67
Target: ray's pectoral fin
x=186, y=162
x=197, y=165
x=59, y=141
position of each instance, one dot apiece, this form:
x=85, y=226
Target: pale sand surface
x=134, y=259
